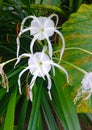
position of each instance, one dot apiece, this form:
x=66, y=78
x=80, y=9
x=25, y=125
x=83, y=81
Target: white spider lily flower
x=4, y=77
x=39, y=65
x=85, y=90
x=41, y=28
x=5, y=83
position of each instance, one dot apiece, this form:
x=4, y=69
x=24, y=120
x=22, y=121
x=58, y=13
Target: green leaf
x=56, y=105
x=35, y=108
x=2, y=92
x=9, y=119
x=48, y=7
x=77, y=4
x=51, y=2
x=74, y=5
x=78, y=53
x=37, y=1
x=3, y=104
x=22, y=116
x=39, y=122
x=66, y=105
x=71, y=5
x=48, y=114
x=1, y=2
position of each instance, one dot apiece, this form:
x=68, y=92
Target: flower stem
x=76, y=67
x=74, y=48
x=77, y=48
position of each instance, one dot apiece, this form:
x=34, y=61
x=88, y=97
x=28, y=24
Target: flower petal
x=61, y=68
x=28, y=17
x=33, y=81
x=49, y=85
x=63, y=43
x=48, y=21
x=18, y=46
x=54, y=15
x=32, y=42
x=31, y=95
x=49, y=82
x=19, y=58
x=19, y=82
x=31, y=86
x=19, y=35
x=49, y=45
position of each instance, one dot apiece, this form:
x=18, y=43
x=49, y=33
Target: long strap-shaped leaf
x=48, y=113
x=35, y=108
x=22, y=115
x=66, y=103
x=9, y=119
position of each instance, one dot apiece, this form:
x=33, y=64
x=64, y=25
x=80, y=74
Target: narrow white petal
x=19, y=82
x=49, y=45
x=18, y=46
x=7, y=84
x=61, y=68
x=80, y=95
x=49, y=81
x=31, y=95
x=43, y=51
x=54, y=15
x=75, y=100
x=19, y=35
x=31, y=86
x=49, y=85
x=25, y=30
x=32, y=43
x=50, y=95
x=63, y=43
x=24, y=20
x=33, y=81
x=18, y=40
x=25, y=55
x=86, y=98
x=19, y=58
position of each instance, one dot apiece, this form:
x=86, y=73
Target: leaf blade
x=9, y=120
x=66, y=104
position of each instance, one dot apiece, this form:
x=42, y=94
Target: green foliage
x=9, y=119
x=66, y=105
x=77, y=32
x=35, y=108
x=22, y=116
x=18, y=113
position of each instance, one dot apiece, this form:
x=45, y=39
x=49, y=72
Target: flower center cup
x=40, y=63
x=42, y=29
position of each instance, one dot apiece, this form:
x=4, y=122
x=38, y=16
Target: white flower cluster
x=85, y=90
x=40, y=63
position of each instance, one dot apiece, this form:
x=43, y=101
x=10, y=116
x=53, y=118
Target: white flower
x=4, y=82
x=85, y=90
x=39, y=65
x=41, y=28
x=4, y=77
